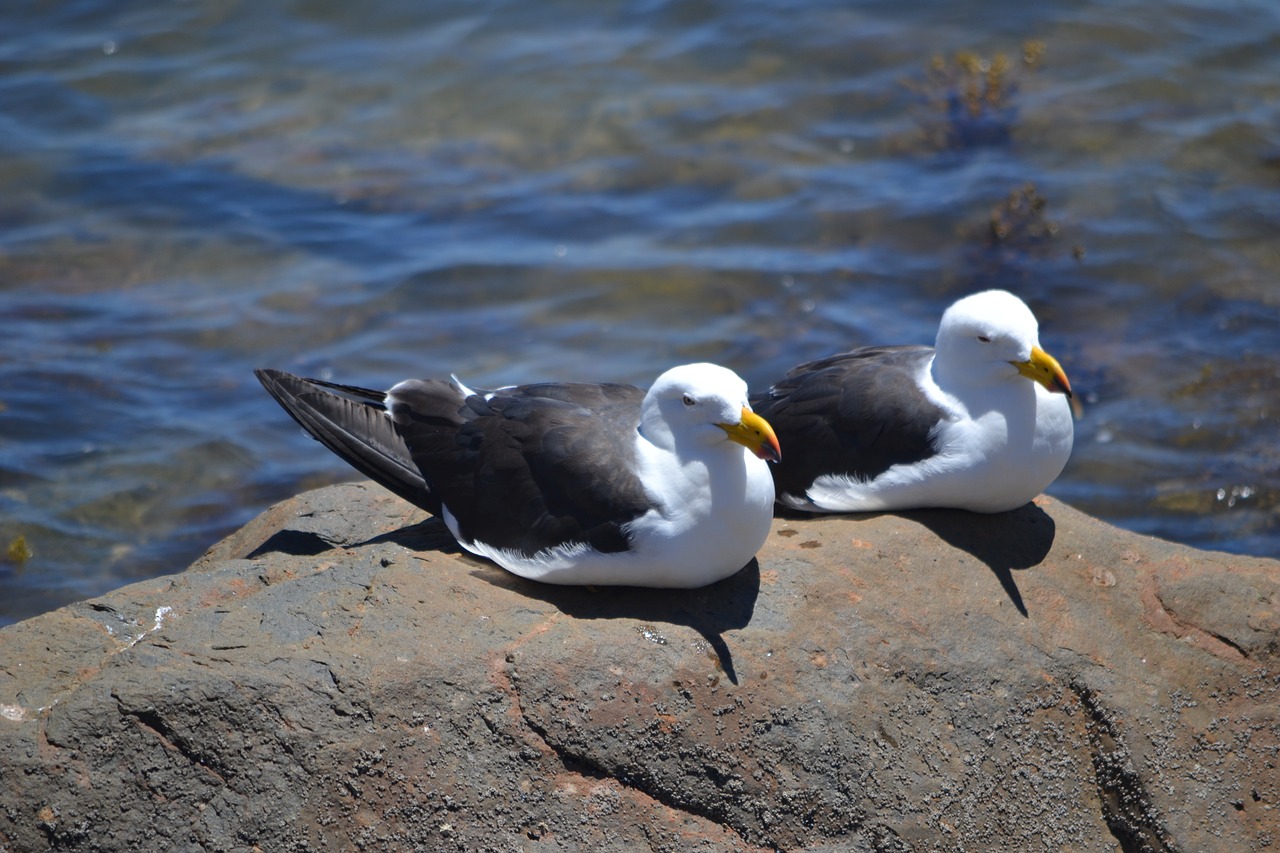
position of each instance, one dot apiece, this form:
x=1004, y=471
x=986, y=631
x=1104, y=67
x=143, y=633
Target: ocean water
x=514, y=192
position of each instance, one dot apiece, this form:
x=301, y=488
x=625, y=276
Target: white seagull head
x=992, y=337
x=707, y=404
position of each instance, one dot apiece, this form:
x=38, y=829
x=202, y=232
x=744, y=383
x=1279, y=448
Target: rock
x=337, y=676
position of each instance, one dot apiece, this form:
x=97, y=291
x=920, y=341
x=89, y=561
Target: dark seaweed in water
x=1022, y=220
x=971, y=98
x=18, y=551
x=515, y=192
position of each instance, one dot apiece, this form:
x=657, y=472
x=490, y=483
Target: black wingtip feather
x=351, y=422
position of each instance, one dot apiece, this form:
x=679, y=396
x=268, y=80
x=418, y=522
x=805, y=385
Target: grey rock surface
x=337, y=676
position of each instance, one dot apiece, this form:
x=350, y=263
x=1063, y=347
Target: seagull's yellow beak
x=754, y=433
x=1044, y=368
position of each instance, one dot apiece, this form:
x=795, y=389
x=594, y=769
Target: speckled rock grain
x=338, y=676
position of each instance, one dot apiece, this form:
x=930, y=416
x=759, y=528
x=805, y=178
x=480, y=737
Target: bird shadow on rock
x=710, y=610
x=430, y=534
x=293, y=543
x=427, y=535
x=1006, y=542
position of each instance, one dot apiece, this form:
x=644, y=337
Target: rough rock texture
x=337, y=676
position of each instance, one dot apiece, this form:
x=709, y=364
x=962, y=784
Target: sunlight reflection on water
x=586, y=193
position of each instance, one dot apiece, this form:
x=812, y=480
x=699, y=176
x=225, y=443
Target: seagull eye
x=689, y=401
x=984, y=339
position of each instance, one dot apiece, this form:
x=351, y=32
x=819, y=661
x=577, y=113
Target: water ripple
x=520, y=192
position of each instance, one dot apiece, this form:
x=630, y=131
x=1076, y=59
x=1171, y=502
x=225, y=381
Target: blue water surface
x=514, y=192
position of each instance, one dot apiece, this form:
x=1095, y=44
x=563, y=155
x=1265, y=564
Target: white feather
x=1002, y=438
x=712, y=498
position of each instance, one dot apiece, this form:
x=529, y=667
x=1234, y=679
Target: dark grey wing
x=353, y=423
x=855, y=414
x=533, y=467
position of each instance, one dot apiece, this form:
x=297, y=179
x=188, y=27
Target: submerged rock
x=337, y=676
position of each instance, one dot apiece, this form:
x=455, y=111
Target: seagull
x=980, y=421
x=566, y=483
